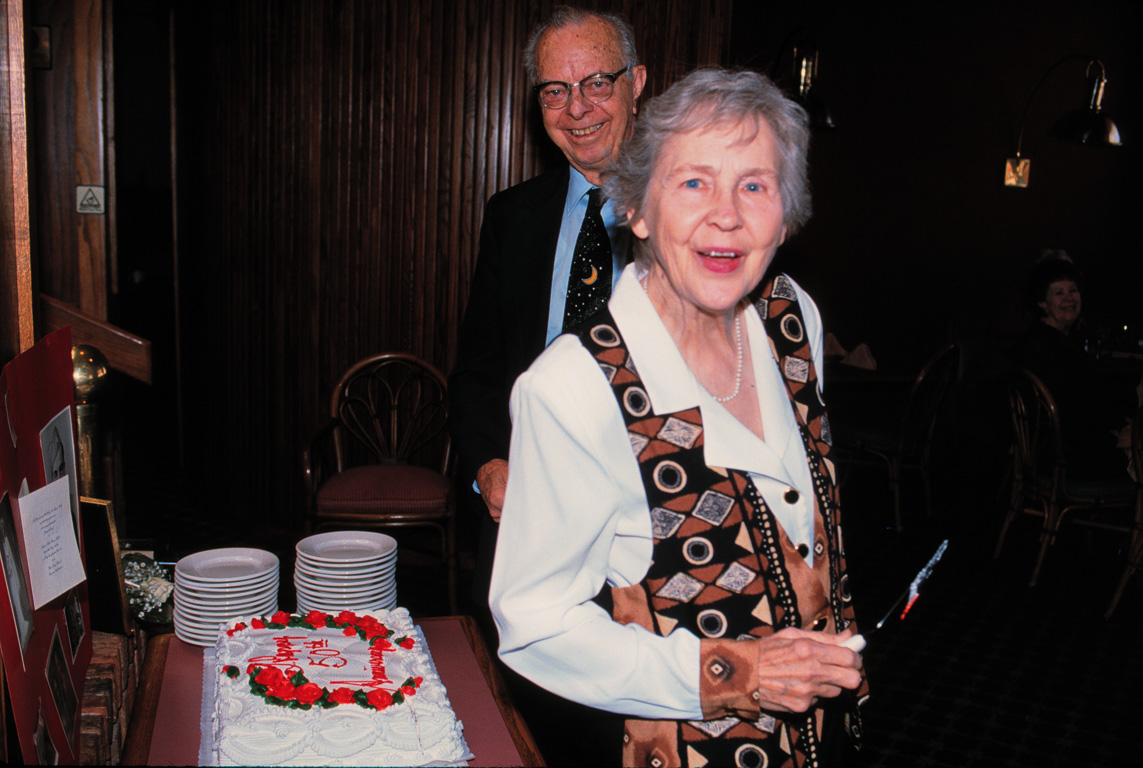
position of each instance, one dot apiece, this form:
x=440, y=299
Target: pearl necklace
x=737, y=341
x=738, y=374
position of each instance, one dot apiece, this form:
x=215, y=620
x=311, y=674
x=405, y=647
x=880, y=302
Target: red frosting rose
x=379, y=697
x=257, y=623
x=346, y=617
x=342, y=696
x=316, y=619
x=270, y=676
x=372, y=627
x=281, y=617
x=283, y=690
x=408, y=690
x=308, y=693
x=276, y=683
x=406, y=643
x=237, y=628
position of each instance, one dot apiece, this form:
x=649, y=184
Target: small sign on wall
x=89, y=199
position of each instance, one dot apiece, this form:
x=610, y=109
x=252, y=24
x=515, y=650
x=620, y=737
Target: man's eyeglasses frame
x=609, y=77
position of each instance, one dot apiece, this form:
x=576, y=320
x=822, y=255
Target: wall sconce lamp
x=804, y=66
x=805, y=70
x=1085, y=125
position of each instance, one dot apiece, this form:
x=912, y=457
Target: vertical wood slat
x=89, y=137
x=17, y=303
x=349, y=150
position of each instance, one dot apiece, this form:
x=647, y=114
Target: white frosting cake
x=325, y=690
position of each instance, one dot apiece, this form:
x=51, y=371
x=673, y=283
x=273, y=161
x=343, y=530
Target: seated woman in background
x=676, y=453
x=1091, y=412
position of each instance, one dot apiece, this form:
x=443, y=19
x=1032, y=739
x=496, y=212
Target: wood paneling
x=16, y=299
x=70, y=126
x=334, y=162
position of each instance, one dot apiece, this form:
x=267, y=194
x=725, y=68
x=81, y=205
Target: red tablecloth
x=177, y=720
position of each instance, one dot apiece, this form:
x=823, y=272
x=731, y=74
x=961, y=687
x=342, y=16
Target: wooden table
x=170, y=696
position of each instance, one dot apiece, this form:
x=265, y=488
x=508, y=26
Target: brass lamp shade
x=818, y=110
x=1082, y=126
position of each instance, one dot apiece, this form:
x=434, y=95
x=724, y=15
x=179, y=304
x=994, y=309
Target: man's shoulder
x=533, y=192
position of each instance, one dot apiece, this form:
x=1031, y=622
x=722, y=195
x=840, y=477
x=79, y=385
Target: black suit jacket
x=505, y=324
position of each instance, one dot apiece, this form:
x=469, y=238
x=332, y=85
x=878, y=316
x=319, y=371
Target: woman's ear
x=638, y=226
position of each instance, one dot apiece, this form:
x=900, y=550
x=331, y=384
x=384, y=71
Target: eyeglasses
x=595, y=88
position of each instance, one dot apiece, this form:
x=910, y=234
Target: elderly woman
x=1093, y=408
x=674, y=456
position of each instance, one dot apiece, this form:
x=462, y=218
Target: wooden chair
x=1040, y=482
x=1135, y=549
x=383, y=459
x=902, y=441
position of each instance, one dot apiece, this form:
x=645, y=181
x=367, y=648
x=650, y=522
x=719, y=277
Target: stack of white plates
x=218, y=585
x=346, y=571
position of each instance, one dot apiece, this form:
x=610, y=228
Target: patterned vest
x=721, y=565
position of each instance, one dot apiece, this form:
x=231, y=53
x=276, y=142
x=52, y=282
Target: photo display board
x=45, y=635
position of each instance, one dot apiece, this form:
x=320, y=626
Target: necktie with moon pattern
x=589, y=284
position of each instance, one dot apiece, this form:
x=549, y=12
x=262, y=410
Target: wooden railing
x=125, y=352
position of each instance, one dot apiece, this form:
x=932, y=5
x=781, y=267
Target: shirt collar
x=578, y=187
x=671, y=387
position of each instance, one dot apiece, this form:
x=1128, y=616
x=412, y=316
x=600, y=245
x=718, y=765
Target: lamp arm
x=1098, y=96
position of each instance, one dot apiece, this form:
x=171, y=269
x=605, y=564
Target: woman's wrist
x=728, y=679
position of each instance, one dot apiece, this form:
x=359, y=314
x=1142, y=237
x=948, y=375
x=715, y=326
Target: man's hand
x=492, y=479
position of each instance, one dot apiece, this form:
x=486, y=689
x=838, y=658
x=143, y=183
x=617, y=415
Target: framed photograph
x=63, y=692
x=57, y=446
x=73, y=618
x=19, y=598
x=46, y=753
x=107, y=588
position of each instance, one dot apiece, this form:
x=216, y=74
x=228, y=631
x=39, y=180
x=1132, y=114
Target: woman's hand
x=788, y=671
x=795, y=668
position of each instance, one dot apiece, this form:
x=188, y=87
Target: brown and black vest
x=722, y=567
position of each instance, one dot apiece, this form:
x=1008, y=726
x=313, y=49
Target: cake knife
x=909, y=597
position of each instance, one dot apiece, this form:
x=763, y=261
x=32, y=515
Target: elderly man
x=548, y=253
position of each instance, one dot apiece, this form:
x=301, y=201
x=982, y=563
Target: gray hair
x=708, y=97
x=568, y=16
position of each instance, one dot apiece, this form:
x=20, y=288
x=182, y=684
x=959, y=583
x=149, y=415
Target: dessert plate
x=222, y=595
x=344, y=547
x=232, y=564
x=344, y=573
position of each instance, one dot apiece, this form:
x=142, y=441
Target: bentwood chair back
x=903, y=441
x=1040, y=483
x=1135, y=549
x=383, y=459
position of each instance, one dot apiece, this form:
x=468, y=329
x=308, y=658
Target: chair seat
x=397, y=489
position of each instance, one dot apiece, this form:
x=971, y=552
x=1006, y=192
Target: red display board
x=46, y=651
